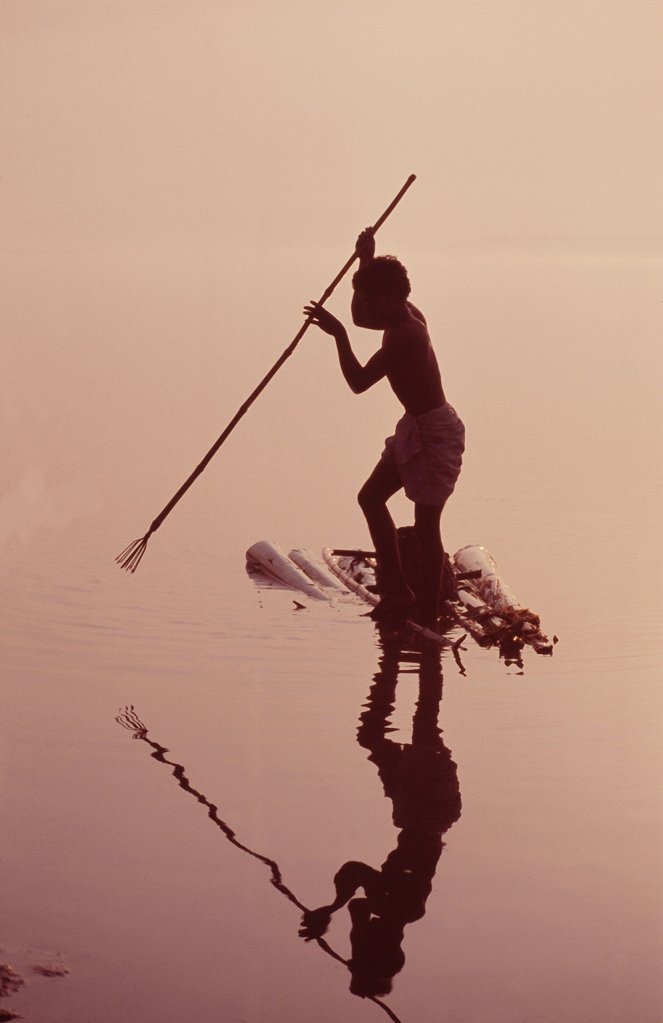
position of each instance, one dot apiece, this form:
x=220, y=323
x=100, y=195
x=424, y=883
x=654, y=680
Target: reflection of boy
x=394, y=896
x=424, y=455
x=421, y=780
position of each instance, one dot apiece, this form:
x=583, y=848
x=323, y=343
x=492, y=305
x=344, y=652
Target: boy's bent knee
x=367, y=500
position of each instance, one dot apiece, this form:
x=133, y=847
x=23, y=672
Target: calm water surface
x=290, y=735
x=516, y=815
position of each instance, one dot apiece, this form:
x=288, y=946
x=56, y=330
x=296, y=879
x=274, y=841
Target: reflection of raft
x=478, y=600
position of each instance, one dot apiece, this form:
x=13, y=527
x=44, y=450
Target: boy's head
x=380, y=290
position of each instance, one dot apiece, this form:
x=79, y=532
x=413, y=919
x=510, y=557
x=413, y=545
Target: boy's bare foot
x=394, y=608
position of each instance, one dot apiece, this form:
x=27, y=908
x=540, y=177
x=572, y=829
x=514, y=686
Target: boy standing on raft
x=424, y=455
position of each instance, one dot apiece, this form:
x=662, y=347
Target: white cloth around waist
x=427, y=450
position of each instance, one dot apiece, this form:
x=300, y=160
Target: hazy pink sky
x=178, y=178
x=170, y=122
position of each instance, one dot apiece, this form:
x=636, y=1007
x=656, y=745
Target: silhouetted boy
x=424, y=455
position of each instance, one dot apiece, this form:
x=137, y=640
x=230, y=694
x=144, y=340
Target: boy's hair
x=384, y=275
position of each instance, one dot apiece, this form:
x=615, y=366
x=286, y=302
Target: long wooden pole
x=131, y=556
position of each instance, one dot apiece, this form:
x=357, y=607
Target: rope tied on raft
x=130, y=558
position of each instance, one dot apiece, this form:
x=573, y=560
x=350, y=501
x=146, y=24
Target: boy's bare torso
x=411, y=366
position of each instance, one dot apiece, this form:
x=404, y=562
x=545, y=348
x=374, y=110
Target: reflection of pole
x=130, y=720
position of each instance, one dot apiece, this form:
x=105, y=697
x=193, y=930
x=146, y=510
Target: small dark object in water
x=7, y=1014
x=10, y=980
x=50, y=971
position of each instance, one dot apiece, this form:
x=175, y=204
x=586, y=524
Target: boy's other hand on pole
x=323, y=319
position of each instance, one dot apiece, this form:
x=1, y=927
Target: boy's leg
x=427, y=525
x=382, y=484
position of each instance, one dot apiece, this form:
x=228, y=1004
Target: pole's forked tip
x=131, y=556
